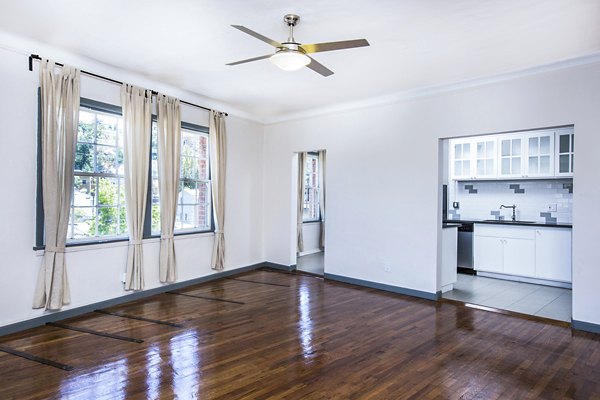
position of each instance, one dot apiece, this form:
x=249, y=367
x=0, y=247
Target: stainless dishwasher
x=465, y=246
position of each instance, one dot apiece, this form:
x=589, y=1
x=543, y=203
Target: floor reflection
x=153, y=372
x=113, y=376
x=305, y=324
x=185, y=361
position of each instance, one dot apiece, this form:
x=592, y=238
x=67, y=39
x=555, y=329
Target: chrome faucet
x=514, y=208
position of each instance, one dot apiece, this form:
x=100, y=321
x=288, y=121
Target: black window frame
x=117, y=110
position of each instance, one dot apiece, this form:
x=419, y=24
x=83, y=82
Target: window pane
x=572, y=142
x=108, y=190
x=480, y=167
x=458, y=168
x=458, y=151
x=106, y=130
x=545, y=164
x=85, y=131
x=155, y=218
x=466, y=150
x=84, y=157
x=545, y=145
x=563, y=144
x=84, y=222
x=190, y=145
x=480, y=149
x=516, y=146
x=533, y=165
x=106, y=159
x=489, y=166
x=533, y=146
x=489, y=149
x=505, y=148
x=505, y=166
x=189, y=168
x=516, y=165
x=108, y=221
x=84, y=193
x=563, y=163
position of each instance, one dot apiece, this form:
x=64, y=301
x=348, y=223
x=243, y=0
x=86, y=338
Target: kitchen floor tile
x=526, y=298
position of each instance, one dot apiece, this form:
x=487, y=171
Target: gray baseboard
x=585, y=326
x=383, y=286
x=282, y=267
x=60, y=315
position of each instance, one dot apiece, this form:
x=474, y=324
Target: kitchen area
x=507, y=218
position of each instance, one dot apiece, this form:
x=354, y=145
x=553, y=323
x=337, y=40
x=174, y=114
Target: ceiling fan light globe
x=290, y=60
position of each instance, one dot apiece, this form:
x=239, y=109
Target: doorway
x=511, y=195
x=310, y=212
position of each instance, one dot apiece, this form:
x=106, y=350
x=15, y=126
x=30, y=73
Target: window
x=98, y=210
x=98, y=203
x=194, y=212
x=311, y=188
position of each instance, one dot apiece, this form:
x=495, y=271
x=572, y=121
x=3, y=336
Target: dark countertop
x=451, y=225
x=517, y=223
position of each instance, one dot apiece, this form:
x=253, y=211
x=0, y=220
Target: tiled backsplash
x=482, y=200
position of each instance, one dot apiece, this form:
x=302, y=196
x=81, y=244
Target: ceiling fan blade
x=257, y=35
x=329, y=46
x=250, y=60
x=319, y=68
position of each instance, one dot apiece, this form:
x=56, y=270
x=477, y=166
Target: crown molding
x=432, y=90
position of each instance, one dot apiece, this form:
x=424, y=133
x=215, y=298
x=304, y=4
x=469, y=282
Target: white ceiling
x=414, y=43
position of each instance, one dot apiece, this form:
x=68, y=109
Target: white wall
x=383, y=175
x=311, y=235
x=94, y=271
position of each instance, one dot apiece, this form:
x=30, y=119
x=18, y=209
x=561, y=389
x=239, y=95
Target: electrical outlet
x=551, y=207
x=456, y=205
x=387, y=268
x=123, y=277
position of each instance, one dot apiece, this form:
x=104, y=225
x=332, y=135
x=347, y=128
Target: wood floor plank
x=318, y=339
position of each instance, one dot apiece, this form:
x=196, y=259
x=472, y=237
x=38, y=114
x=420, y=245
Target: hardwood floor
x=300, y=337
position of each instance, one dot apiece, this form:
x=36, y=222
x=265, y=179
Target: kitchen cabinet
x=565, y=142
x=539, y=154
x=528, y=251
x=449, y=257
x=505, y=250
x=511, y=156
x=474, y=158
x=553, y=253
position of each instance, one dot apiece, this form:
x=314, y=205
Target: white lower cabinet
x=553, y=253
x=534, y=252
x=488, y=254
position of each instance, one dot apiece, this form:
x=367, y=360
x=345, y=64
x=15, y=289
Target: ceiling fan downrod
x=291, y=20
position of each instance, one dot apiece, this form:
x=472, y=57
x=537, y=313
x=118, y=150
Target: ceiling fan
x=291, y=55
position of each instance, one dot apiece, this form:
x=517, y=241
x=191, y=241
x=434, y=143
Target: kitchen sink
x=508, y=221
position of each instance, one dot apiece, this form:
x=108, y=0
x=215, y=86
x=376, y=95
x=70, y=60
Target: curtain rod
x=154, y=92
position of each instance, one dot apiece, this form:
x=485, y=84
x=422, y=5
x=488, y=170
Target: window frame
x=317, y=188
x=148, y=218
x=95, y=105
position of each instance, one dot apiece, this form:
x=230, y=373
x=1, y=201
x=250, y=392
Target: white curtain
x=137, y=108
x=322, y=197
x=300, y=204
x=169, y=154
x=218, y=163
x=60, y=118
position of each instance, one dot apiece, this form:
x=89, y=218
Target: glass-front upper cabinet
x=511, y=156
x=485, y=157
x=565, y=151
x=540, y=159
x=461, y=159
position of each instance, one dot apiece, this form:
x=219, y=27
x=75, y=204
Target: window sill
x=74, y=247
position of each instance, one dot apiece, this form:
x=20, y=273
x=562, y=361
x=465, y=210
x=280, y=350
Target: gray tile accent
x=495, y=212
x=470, y=189
x=568, y=186
x=549, y=218
x=516, y=187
